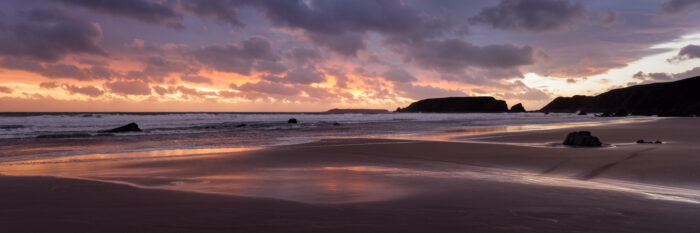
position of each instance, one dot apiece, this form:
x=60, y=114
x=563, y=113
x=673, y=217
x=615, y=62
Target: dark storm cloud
x=6, y=90
x=58, y=70
x=299, y=76
x=688, y=52
x=129, y=87
x=675, y=6
x=157, y=69
x=532, y=15
x=303, y=56
x=347, y=43
x=154, y=12
x=221, y=10
x=454, y=55
x=609, y=18
x=49, y=35
x=237, y=58
x=341, y=25
x=398, y=75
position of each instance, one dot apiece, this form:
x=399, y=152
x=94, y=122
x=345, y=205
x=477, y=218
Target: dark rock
x=336, y=123
x=457, y=105
x=621, y=113
x=641, y=141
x=292, y=121
x=240, y=125
x=606, y=114
x=517, y=108
x=546, y=113
x=582, y=138
x=582, y=113
x=678, y=98
x=69, y=135
x=658, y=142
x=131, y=127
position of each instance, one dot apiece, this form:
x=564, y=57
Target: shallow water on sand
x=310, y=182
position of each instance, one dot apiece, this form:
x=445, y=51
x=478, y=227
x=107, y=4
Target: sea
x=65, y=134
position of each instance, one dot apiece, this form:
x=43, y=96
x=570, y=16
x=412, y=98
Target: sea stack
x=457, y=105
x=517, y=108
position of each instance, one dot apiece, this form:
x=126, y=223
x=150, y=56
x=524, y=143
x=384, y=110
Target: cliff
x=678, y=98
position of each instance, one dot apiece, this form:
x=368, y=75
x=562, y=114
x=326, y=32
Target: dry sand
x=509, y=182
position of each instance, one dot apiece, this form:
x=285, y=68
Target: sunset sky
x=287, y=55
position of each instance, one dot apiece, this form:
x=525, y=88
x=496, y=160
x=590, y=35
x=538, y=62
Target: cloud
x=528, y=94
x=571, y=80
x=241, y=59
x=398, y=75
x=299, y=76
x=532, y=15
x=6, y=90
x=195, y=79
x=163, y=91
x=85, y=90
x=49, y=85
x=262, y=87
x=195, y=92
x=129, y=87
x=610, y=18
x=153, y=12
x=676, y=6
x=686, y=53
x=688, y=74
x=454, y=55
x=58, y=70
x=48, y=36
x=417, y=92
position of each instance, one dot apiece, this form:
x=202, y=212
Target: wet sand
x=508, y=182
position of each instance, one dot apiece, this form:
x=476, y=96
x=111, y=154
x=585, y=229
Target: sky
x=314, y=55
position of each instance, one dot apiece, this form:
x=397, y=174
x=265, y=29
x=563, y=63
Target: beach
x=512, y=181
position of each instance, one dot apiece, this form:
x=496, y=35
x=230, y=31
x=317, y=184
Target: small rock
x=240, y=125
x=621, y=113
x=336, y=123
x=582, y=113
x=292, y=121
x=658, y=142
x=131, y=127
x=641, y=141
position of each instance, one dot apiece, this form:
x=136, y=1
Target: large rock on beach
x=583, y=139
